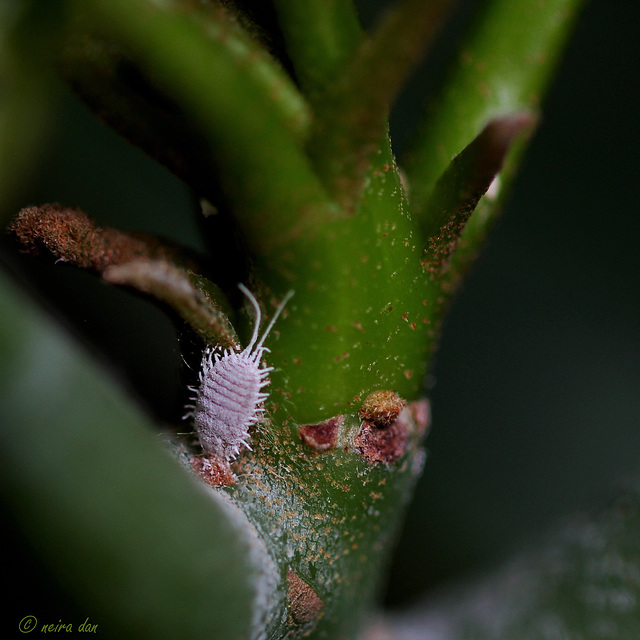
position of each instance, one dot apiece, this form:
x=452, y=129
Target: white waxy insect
x=230, y=397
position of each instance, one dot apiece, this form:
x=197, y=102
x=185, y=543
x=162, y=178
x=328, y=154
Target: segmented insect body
x=230, y=397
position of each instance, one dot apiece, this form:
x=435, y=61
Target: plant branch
x=112, y=86
x=321, y=37
x=139, y=261
x=117, y=90
x=70, y=235
x=260, y=164
x=193, y=297
x=504, y=67
x=352, y=119
x=468, y=177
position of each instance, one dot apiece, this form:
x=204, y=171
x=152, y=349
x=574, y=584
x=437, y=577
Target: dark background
x=537, y=379
x=536, y=406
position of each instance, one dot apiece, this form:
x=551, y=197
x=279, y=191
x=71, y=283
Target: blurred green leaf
x=145, y=549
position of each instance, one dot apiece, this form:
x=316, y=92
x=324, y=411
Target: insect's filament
x=256, y=327
x=286, y=299
x=256, y=306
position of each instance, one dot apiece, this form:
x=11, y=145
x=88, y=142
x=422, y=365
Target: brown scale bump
x=321, y=436
x=305, y=605
x=382, y=444
x=382, y=407
x=213, y=470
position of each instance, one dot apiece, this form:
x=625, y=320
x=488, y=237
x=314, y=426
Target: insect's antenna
x=286, y=299
x=258, y=318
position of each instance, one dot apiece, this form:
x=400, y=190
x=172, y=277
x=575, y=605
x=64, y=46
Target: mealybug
x=230, y=397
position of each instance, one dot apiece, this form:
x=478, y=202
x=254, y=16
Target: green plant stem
x=468, y=177
x=115, y=88
x=111, y=85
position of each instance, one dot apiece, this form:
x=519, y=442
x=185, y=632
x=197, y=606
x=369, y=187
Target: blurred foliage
x=82, y=474
x=583, y=583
